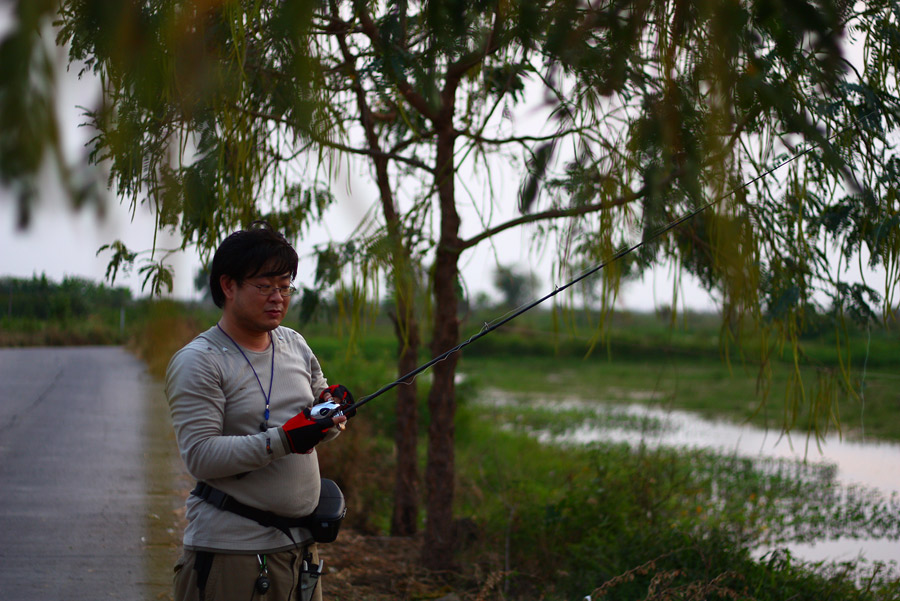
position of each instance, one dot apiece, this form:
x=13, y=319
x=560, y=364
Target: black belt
x=226, y=502
x=323, y=523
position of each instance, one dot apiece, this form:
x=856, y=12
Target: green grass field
x=706, y=386
x=681, y=363
x=685, y=364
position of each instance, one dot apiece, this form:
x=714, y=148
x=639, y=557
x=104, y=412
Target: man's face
x=250, y=308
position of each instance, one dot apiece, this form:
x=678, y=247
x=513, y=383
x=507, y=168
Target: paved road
x=88, y=477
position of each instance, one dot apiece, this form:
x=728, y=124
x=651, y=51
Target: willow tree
x=217, y=112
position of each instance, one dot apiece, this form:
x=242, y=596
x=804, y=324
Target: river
x=869, y=465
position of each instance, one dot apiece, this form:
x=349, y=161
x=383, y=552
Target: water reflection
x=855, y=465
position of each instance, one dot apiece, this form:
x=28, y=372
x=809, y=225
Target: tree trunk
x=406, y=436
x=440, y=469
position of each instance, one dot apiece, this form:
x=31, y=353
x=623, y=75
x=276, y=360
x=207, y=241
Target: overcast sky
x=62, y=242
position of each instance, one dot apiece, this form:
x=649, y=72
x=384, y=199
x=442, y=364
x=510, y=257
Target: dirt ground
x=377, y=568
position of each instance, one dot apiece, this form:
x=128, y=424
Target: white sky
x=61, y=242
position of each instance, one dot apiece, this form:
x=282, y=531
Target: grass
x=658, y=523
x=704, y=386
x=647, y=523
x=848, y=389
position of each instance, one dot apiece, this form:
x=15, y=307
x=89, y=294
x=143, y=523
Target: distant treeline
x=76, y=311
x=40, y=312
x=73, y=298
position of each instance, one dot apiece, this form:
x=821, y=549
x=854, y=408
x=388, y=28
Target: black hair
x=245, y=253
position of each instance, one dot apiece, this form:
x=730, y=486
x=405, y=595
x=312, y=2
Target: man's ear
x=229, y=286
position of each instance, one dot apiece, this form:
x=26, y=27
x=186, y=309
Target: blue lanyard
x=264, y=425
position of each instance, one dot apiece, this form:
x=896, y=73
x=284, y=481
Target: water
x=867, y=465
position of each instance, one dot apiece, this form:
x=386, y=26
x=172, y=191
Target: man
x=237, y=395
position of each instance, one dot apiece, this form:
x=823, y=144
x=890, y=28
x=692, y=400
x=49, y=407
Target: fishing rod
x=330, y=409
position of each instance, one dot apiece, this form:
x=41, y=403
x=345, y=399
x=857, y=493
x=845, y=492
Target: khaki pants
x=233, y=577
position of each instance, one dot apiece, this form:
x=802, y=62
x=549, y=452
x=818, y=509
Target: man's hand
x=339, y=394
x=303, y=433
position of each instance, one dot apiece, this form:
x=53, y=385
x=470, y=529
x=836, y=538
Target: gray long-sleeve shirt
x=217, y=409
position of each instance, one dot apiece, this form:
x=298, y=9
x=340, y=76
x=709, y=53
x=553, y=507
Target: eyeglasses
x=267, y=290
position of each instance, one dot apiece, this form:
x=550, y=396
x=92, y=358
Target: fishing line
x=487, y=328
x=862, y=383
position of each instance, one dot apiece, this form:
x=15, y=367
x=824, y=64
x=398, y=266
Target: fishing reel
x=325, y=410
x=334, y=401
